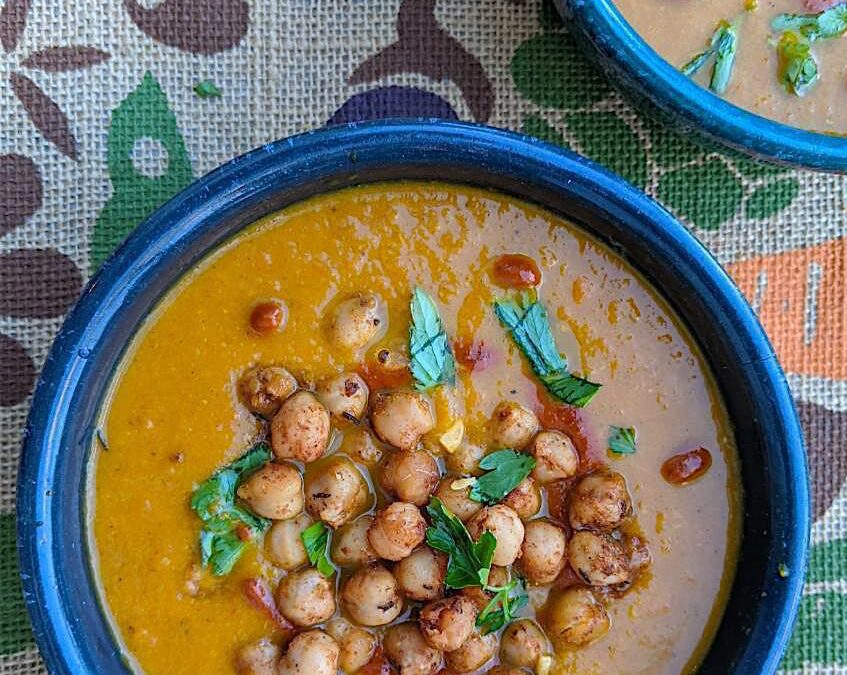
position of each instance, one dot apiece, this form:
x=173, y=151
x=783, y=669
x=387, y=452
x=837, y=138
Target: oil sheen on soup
x=414, y=426
x=783, y=59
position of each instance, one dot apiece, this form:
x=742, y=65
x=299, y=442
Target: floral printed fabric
x=103, y=120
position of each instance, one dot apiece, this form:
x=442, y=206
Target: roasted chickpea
x=555, y=456
x=356, y=644
x=575, y=618
x=257, y=658
x=512, y=425
x=350, y=546
x=406, y=648
x=421, y=574
x=505, y=670
x=345, y=396
x=447, y=623
x=336, y=491
x=457, y=501
x=306, y=597
x=275, y=491
x=599, y=501
x=283, y=544
x=525, y=499
x=300, y=430
x=371, y=596
x=360, y=446
x=523, y=643
x=543, y=553
x=357, y=321
x=598, y=559
x=474, y=653
x=263, y=389
x=498, y=576
x=506, y=527
x=310, y=653
x=400, y=418
x=396, y=531
x=465, y=459
x=410, y=476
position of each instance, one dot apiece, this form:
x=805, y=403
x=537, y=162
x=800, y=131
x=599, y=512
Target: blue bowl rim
x=698, y=108
x=164, y=234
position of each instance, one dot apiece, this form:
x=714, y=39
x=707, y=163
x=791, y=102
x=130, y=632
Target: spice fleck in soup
x=783, y=59
x=412, y=427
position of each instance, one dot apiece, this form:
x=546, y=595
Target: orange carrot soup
x=414, y=428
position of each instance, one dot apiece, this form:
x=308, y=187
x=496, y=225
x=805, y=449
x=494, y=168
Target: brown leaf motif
x=47, y=117
x=424, y=47
x=825, y=431
x=61, y=59
x=195, y=26
x=17, y=372
x=20, y=191
x=12, y=22
x=37, y=283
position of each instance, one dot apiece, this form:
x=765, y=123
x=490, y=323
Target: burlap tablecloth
x=102, y=119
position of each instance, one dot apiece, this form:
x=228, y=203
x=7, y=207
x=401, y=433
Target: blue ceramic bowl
x=58, y=581
x=663, y=91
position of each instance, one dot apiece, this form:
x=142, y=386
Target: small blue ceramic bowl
x=660, y=88
x=60, y=589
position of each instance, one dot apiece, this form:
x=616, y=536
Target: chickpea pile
x=389, y=603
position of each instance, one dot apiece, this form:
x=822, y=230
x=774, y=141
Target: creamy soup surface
x=681, y=29
x=175, y=416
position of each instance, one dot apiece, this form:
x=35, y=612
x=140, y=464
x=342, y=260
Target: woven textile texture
x=102, y=119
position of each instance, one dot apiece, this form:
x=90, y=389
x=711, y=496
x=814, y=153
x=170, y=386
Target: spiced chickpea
x=283, y=544
x=512, y=425
x=421, y=574
x=336, y=491
x=371, y=596
x=345, y=396
x=598, y=559
x=407, y=650
x=575, y=618
x=301, y=428
x=525, y=499
x=506, y=527
x=306, y=597
x=454, y=493
x=555, y=456
x=474, y=653
x=357, y=321
x=410, y=476
x=523, y=643
x=465, y=459
x=396, y=531
x=599, y=501
x=400, y=418
x=310, y=653
x=356, y=645
x=257, y=658
x=447, y=623
x=543, y=552
x=274, y=491
x=263, y=389
x=361, y=447
x=350, y=545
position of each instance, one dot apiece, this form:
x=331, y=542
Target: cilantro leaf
x=207, y=89
x=526, y=320
x=723, y=46
x=798, y=70
x=506, y=469
x=622, y=440
x=214, y=502
x=830, y=23
x=315, y=539
x=431, y=360
x=507, y=601
x=469, y=562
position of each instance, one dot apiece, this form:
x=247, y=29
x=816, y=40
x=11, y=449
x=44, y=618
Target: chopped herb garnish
x=798, y=69
x=783, y=570
x=315, y=539
x=431, y=360
x=469, y=562
x=225, y=523
x=506, y=469
x=526, y=320
x=503, y=606
x=830, y=23
x=207, y=89
x=622, y=440
x=723, y=46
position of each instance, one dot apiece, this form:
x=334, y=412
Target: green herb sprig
x=315, y=540
x=503, y=606
x=431, y=359
x=622, y=440
x=830, y=23
x=469, y=562
x=207, y=89
x=798, y=69
x=505, y=471
x=723, y=47
x=221, y=538
x=526, y=320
